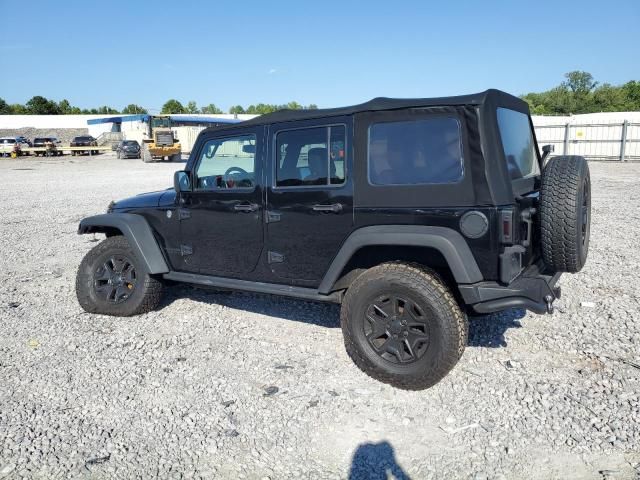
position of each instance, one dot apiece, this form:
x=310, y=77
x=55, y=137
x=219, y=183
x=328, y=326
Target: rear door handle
x=246, y=207
x=333, y=208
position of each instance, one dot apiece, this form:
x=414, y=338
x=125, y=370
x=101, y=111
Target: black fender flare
x=138, y=233
x=447, y=241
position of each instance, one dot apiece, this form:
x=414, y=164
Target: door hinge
x=184, y=214
x=273, y=216
x=275, y=257
x=186, y=250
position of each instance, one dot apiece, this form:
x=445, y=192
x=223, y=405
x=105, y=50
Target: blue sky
x=331, y=53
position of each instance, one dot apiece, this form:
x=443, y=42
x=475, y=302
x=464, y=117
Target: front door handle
x=333, y=208
x=246, y=207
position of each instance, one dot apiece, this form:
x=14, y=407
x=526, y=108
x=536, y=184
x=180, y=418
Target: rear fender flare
x=138, y=233
x=448, y=242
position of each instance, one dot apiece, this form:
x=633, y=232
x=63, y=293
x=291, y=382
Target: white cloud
x=272, y=71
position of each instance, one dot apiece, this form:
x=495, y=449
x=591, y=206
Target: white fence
x=594, y=141
x=613, y=136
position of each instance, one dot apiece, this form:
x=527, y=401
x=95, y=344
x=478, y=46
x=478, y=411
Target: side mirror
x=181, y=181
x=546, y=150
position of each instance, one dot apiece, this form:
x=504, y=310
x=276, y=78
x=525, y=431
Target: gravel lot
x=250, y=386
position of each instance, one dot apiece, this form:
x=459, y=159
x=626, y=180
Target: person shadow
x=489, y=330
x=376, y=461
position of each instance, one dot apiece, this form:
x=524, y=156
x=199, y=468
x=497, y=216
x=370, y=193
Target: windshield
x=159, y=122
x=518, y=144
x=130, y=143
x=7, y=140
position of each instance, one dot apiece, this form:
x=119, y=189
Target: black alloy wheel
x=397, y=328
x=115, y=280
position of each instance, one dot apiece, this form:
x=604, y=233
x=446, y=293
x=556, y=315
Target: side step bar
x=257, y=287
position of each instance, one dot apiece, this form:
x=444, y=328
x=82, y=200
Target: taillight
x=506, y=226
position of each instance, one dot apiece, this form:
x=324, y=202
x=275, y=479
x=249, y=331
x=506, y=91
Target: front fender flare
x=448, y=242
x=138, y=233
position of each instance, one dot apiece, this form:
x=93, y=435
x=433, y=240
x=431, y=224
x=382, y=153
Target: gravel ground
x=250, y=386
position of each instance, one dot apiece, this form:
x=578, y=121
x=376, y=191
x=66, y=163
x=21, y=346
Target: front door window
x=227, y=163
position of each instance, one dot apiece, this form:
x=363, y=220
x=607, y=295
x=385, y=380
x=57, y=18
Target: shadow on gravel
x=484, y=331
x=376, y=461
x=488, y=330
x=313, y=313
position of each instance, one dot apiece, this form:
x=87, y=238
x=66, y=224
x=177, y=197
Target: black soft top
x=491, y=96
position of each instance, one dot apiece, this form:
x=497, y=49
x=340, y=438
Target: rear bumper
x=533, y=290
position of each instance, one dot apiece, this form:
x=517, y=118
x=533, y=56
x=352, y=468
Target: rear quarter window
x=518, y=144
x=416, y=152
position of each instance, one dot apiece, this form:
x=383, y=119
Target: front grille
x=164, y=138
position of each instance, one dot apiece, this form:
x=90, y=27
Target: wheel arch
x=447, y=250
x=136, y=230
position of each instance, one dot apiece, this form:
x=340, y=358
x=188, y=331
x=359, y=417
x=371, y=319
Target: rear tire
x=402, y=326
x=111, y=280
x=565, y=213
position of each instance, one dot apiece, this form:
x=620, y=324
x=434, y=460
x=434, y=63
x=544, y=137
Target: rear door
x=309, y=197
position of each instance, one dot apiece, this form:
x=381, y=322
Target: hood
x=146, y=200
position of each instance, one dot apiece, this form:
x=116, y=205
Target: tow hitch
x=549, y=301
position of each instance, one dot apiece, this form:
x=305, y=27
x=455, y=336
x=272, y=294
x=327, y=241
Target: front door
x=221, y=221
x=309, y=197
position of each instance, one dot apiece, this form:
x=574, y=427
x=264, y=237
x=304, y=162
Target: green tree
x=39, y=105
x=133, y=109
x=64, y=107
x=607, y=98
x=631, y=91
x=172, y=106
x=210, y=109
x=5, y=109
x=579, y=82
x=192, y=107
x=236, y=109
x=18, y=109
x=106, y=110
x=293, y=106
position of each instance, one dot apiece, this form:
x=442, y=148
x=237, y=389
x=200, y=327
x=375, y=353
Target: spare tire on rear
x=565, y=213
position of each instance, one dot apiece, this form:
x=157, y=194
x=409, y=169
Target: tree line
x=40, y=105
x=578, y=93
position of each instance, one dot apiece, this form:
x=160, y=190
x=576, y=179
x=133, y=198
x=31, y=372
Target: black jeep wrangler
x=411, y=213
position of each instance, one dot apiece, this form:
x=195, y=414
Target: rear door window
x=517, y=143
x=309, y=157
x=416, y=152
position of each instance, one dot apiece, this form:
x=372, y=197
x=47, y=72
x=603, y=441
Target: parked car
x=128, y=149
x=52, y=145
x=22, y=139
x=9, y=145
x=411, y=213
x=83, y=141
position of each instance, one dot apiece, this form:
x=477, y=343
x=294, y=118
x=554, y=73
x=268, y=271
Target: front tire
x=146, y=155
x=402, y=326
x=111, y=280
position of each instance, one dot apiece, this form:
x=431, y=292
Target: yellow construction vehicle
x=159, y=142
